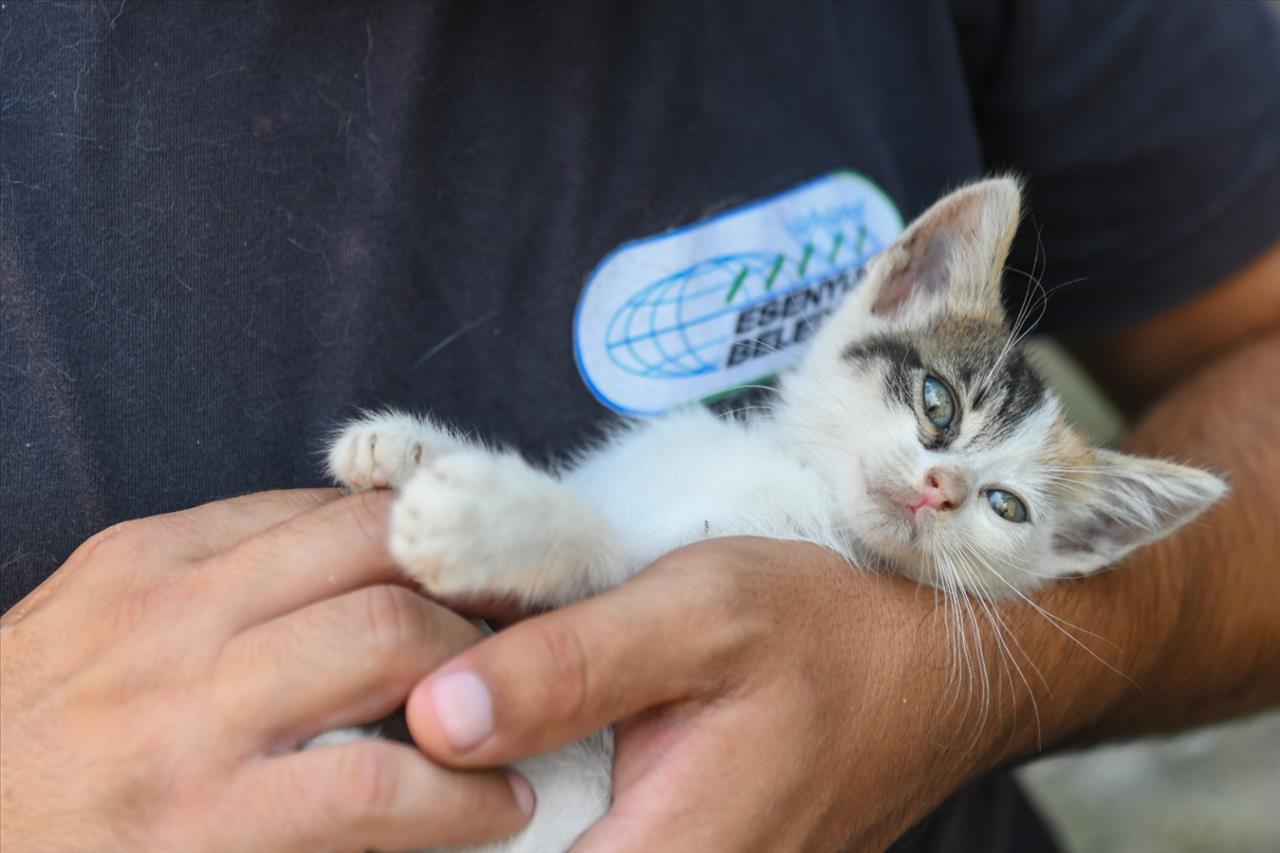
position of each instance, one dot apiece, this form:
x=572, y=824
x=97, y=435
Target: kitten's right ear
x=952, y=257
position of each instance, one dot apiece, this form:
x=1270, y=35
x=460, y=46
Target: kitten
x=914, y=436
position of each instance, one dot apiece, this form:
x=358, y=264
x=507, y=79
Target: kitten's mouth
x=912, y=513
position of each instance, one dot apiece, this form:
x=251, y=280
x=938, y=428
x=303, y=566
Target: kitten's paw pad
x=383, y=451
x=464, y=524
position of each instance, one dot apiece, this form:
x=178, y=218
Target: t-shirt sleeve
x=1149, y=134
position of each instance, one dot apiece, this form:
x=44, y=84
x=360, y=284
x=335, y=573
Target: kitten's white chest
x=691, y=476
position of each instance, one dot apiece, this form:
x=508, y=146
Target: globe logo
x=666, y=330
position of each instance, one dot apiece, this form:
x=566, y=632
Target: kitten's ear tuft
x=953, y=255
x=1131, y=501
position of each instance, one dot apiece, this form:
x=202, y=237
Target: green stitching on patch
x=808, y=256
x=835, y=248
x=737, y=285
x=773, y=273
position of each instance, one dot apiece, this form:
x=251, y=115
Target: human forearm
x=1193, y=621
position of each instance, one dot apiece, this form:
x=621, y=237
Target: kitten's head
x=949, y=456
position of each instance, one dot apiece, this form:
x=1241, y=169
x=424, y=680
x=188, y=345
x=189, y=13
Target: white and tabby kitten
x=914, y=437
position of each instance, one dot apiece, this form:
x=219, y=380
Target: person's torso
x=229, y=227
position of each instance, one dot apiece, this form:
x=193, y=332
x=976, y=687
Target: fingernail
x=463, y=708
x=523, y=792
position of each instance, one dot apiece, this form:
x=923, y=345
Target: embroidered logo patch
x=701, y=311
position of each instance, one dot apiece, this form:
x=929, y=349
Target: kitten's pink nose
x=943, y=489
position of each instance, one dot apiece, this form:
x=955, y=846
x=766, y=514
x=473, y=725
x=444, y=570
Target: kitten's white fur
x=830, y=466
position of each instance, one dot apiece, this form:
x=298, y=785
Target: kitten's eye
x=1007, y=506
x=939, y=405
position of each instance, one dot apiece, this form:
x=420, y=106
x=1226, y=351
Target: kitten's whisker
x=975, y=596
x=1054, y=620
x=978, y=670
x=969, y=656
x=1001, y=625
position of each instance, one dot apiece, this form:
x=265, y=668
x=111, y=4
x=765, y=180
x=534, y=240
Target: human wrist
x=920, y=717
x=1016, y=684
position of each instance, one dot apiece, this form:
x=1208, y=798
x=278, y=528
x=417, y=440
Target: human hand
x=771, y=698
x=157, y=685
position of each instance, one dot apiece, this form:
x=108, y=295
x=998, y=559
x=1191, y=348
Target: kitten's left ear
x=1131, y=501
x=952, y=257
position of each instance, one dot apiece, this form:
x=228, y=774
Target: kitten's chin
x=891, y=543
x=888, y=529
x=895, y=543
x=920, y=569
x=971, y=579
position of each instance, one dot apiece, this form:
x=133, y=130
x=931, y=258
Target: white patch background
x=659, y=318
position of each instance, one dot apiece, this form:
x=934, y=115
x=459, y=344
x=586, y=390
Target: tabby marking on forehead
x=991, y=376
x=901, y=357
x=1018, y=391
x=971, y=355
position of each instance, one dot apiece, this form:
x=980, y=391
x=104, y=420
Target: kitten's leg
x=477, y=522
x=574, y=789
x=382, y=450
x=339, y=737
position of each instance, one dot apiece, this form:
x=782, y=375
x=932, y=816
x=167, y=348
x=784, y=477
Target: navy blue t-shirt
x=225, y=227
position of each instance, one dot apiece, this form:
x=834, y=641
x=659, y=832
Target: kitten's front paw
x=382, y=451
x=473, y=522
